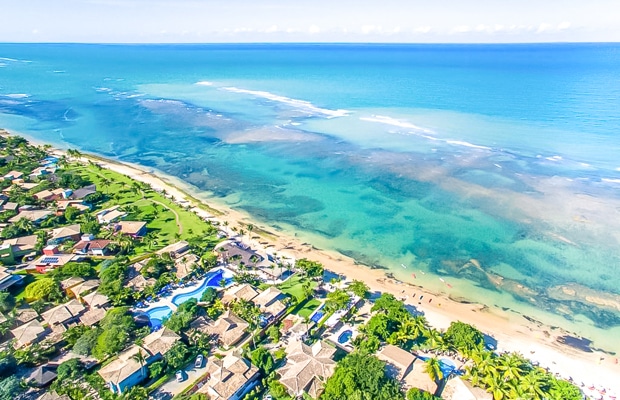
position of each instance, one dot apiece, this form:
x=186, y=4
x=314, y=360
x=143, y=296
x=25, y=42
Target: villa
x=228, y=328
x=12, y=175
x=270, y=302
x=160, y=342
x=43, y=375
x=79, y=194
x=176, y=249
x=398, y=361
x=124, y=372
x=59, y=235
x=185, y=265
x=241, y=292
x=110, y=215
x=92, y=316
x=35, y=216
x=51, y=195
x=230, y=378
x=82, y=288
x=51, y=259
x=92, y=247
x=13, y=250
x=134, y=229
x=28, y=333
x=96, y=300
x=307, y=367
x=64, y=313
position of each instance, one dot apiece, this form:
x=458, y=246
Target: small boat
x=441, y=279
x=403, y=265
x=423, y=273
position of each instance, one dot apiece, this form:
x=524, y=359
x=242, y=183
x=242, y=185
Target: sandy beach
x=512, y=331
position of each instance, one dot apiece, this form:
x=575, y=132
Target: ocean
x=493, y=167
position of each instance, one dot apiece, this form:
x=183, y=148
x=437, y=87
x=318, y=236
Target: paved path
x=172, y=387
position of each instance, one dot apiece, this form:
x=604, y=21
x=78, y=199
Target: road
x=171, y=388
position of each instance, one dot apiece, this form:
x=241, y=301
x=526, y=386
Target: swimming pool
x=157, y=315
x=318, y=314
x=212, y=279
x=446, y=365
x=345, y=336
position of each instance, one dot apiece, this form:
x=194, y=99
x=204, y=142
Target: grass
x=294, y=286
x=306, y=309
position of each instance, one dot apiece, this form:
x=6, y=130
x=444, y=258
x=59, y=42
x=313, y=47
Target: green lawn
x=307, y=308
x=294, y=286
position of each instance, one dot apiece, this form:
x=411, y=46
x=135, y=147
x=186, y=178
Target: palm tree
x=433, y=368
x=105, y=182
x=534, y=385
x=139, y=358
x=434, y=339
x=25, y=225
x=250, y=228
x=513, y=367
x=497, y=387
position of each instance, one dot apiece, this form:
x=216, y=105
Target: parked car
x=199, y=361
x=180, y=375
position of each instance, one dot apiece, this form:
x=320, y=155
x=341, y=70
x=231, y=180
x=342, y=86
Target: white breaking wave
x=554, y=158
x=395, y=122
x=301, y=105
x=17, y=95
x=204, y=83
x=467, y=144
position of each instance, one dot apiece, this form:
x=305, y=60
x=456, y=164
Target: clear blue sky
x=202, y=21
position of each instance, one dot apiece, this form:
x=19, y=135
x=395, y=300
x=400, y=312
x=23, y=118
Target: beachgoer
x=429, y=300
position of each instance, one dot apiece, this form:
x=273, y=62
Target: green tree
x=563, y=390
x=361, y=376
x=44, y=288
x=209, y=295
x=262, y=358
x=464, y=337
x=432, y=367
x=417, y=394
x=337, y=300
x=359, y=288
x=85, y=343
x=312, y=269
x=7, y=302
x=71, y=214
x=176, y=357
x=274, y=333
x=10, y=388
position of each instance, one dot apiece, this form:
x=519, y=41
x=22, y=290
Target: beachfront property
x=110, y=215
x=399, y=362
x=135, y=229
x=270, y=302
x=239, y=292
x=307, y=367
x=230, y=378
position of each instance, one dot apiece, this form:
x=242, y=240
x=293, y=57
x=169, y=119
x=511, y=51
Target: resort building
x=241, y=292
x=59, y=235
x=43, y=375
x=125, y=372
x=28, y=333
x=233, y=253
x=13, y=250
x=134, y=229
x=230, y=378
x=110, y=215
x=96, y=300
x=92, y=316
x=79, y=194
x=399, y=362
x=270, y=302
x=184, y=265
x=35, y=216
x=159, y=343
x=307, y=367
x=459, y=389
x=176, y=249
x=63, y=314
x=81, y=289
x=228, y=328
x=92, y=247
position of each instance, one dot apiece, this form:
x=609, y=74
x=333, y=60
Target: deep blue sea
x=494, y=167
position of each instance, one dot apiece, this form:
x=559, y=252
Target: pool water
x=157, y=315
x=345, y=336
x=212, y=279
x=318, y=314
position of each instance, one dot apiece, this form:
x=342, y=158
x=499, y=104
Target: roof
x=233, y=250
x=227, y=376
x=56, y=260
x=52, y=395
x=83, y=192
x=44, y=374
x=420, y=379
x=13, y=174
x=85, y=246
x=140, y=282
x=92, y=316
x=23, y=315
x=123, y=367
x=458, y=389
x=28, y=332
x=245, y=292
x=10, y=206
x=43, y=194
x=268, y=301
x=176, y=248
x=307, y=367
x=131, y=227
x=32, y=215
x=23, y=243
x=112, y=216
x=229, y=328
x=184, y=265
x=399, y=358
x=160, y=341
x=71, y=282
x=63, y=313
x=96, y=299
x=84, y=287
x=65, y=231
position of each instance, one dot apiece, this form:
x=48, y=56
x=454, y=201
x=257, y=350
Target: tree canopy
x=44, y=288
x=361, y=376
x=310, y=268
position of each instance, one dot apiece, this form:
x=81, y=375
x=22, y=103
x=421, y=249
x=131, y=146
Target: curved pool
x=158, y=314
x=345, y=336
x=212, y=279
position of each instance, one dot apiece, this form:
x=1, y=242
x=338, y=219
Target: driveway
x=172, y=387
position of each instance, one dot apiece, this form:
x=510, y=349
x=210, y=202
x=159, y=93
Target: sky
x=225, y=21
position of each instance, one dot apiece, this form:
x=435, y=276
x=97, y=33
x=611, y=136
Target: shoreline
x=513, y=331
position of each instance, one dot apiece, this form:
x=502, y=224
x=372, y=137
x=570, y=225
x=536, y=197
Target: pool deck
x=347, y=346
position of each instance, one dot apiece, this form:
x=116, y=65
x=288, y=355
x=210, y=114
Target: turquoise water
x=429, y=156
x=212, y=280
x=345, y=336
x=158, y=314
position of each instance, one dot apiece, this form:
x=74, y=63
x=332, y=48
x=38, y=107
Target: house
x=92, y=316
x=228, y=328
x=13, y=250
x=35, y=216
x=176, y=249
x=233, y=253
x=65, y=233
x=9, y=206
x=270, y=302
x=139, y=282
x=419, y=379
x=7, y=280
x=307, y=367
x=134, y=229
x=459, y=389
x=96, y=300
x=245, y=292
x=81, y=289
x=79, y=194
x=28, y=333
x=51, y=195
x=43, y=375
x=230, y=378
x=159, y=343
x=110, y=215
x=64, y=313
x=12, y=175
x=24, y=315
x=51, y=259
x=41, y=171
x=62, y=205
x=185, y=265
x=95, y=247
x=125, y=372
x=71, y=282
x=52, y=395
x=398, y=361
